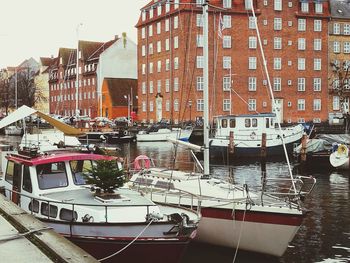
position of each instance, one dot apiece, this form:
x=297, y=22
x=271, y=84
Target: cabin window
x=68, y=215
x=255, y=122
x=233, y=123
x=51, y=175
x=247, y=123
x=224, y=123
x=27, y=182
x=271, y=122
x=267, y=123
x=49, y=210
x=80, y=169
x=34, y=206
x=12, y=170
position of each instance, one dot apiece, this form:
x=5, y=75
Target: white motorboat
x=120, y=226
x=163, y=134
x=339, y=158
x=246, y=134
x=13, y=130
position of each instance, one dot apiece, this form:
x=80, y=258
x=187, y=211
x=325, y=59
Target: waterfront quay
x=23, y=238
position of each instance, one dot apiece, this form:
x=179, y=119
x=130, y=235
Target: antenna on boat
x=271, y=93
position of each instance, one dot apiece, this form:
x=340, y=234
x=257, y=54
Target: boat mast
x=205, y=89
x=271, y=93
x=77, y=74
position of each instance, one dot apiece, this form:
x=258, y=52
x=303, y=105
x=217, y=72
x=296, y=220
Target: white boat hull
x=340, y=158
x=164, y=134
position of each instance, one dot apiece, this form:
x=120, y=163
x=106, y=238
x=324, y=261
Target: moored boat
x=120, y=226
x=339, y=158
x=163, y=133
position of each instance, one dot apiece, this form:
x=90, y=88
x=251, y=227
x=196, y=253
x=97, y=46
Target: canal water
x=324, y=235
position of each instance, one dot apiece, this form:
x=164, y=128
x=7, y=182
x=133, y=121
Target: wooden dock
x=23, y=238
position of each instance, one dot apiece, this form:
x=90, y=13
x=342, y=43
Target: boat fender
x=342, y=149
x=253, y=135
x=103, y=138
x=142, y=162
x=125, y=132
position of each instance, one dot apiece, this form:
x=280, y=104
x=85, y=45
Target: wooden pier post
x=263, y=146
x=303, y=149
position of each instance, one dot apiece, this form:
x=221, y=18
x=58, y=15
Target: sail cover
x=25, y=111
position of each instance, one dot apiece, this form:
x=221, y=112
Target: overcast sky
x=38, y=28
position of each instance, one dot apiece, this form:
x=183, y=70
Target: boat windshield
x=80, y=170
x=52, y=175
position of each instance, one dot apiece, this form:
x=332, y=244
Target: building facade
x=339, y=57
x=294, y=36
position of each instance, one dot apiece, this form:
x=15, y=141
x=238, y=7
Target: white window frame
x=317, y=83
x=277, y=5
x=226, y=42
x=277, y=23
x=200, y=62
x=252, y=63
x=226, y=62
x=317, y=44
x=301, y=43
x=252, y=83
x=301, y=105
x=301, y=84
x=317, y=64
x=226, y=105
x=251, y=104
x=252, y=42
x=317, y=25
x=301, y=63
x=200, y=83
x=277, y=63
x=277, y=43
x=301, y=24
x=317, y=104
x=277, y=84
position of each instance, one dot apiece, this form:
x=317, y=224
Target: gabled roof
x=340, y=9
x=118, y=88
x=45, y=61
x=67, y=55
x=99, y=50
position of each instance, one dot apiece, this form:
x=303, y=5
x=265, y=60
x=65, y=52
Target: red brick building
x=294, y=36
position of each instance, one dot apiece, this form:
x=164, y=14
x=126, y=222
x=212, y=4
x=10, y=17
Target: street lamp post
x=127, y=97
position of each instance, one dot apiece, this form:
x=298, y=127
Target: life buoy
x=125, y=132
x=142, y=162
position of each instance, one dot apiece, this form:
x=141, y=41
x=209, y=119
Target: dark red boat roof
x=56, y=157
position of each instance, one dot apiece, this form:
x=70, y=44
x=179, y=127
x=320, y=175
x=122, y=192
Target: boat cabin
x=244, y=124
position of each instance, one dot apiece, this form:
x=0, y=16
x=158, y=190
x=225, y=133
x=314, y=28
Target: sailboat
x=232, y=215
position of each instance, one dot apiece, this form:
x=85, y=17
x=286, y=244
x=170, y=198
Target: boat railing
x=282, y=188
x=35, y=206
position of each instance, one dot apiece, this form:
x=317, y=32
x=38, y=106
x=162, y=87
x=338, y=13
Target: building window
x=159, y=86
x=226, y=105
x=317, y=104
x=176, y=4
x=143, y=69
x=144, y=106
x=200, y=83
x=318, y=25
x=301, y=44
x=200, y=62
x=166, y=25
x=251, y=104
x=252, y=63
x=277, y=43
x=317, y=63
x=226, y=42
x=151, y=87
x=144, y=87
x=199, y=3
x=318, y=8
x=151, y=67
x=200, y=105
x=301, y=104
x=176, y=63
x=301, y=63
x=301, y=84
x=248, y=5
x=159, y=66
x=159, y=46
x=301, y=24
x=317, y=84
x=317, y=44
x=167, y=105
x=252, y=83
x=346, y=47
x=176, y=22
x=277, y=84
x=143, y=50
x=199, y=20
x=151, y=106
x=199, y=40
x=143, y=15
x=278, y=5
x=251, y=22
x=277, y=63
x=176, y=105
x=150, y=49
x=226, y=62
x=336, y=28
x=305, y=7
x=176, y=42
x=226, y=83
x=167, y=7
x=252, y=42
x=167, y=64
x=176, y=84
x=346, y=30
x=226, y=21
x=167, y=85
x=159, y=28
x=336, y=47
x=227, y=3
x=151, y=13
x=277, y=23
x=150, y=30
x=336, y=103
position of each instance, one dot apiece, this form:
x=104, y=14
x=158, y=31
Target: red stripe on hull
x=253, y=216
x=170, y=251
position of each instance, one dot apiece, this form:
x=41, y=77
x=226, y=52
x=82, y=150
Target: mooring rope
x=16, y=236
